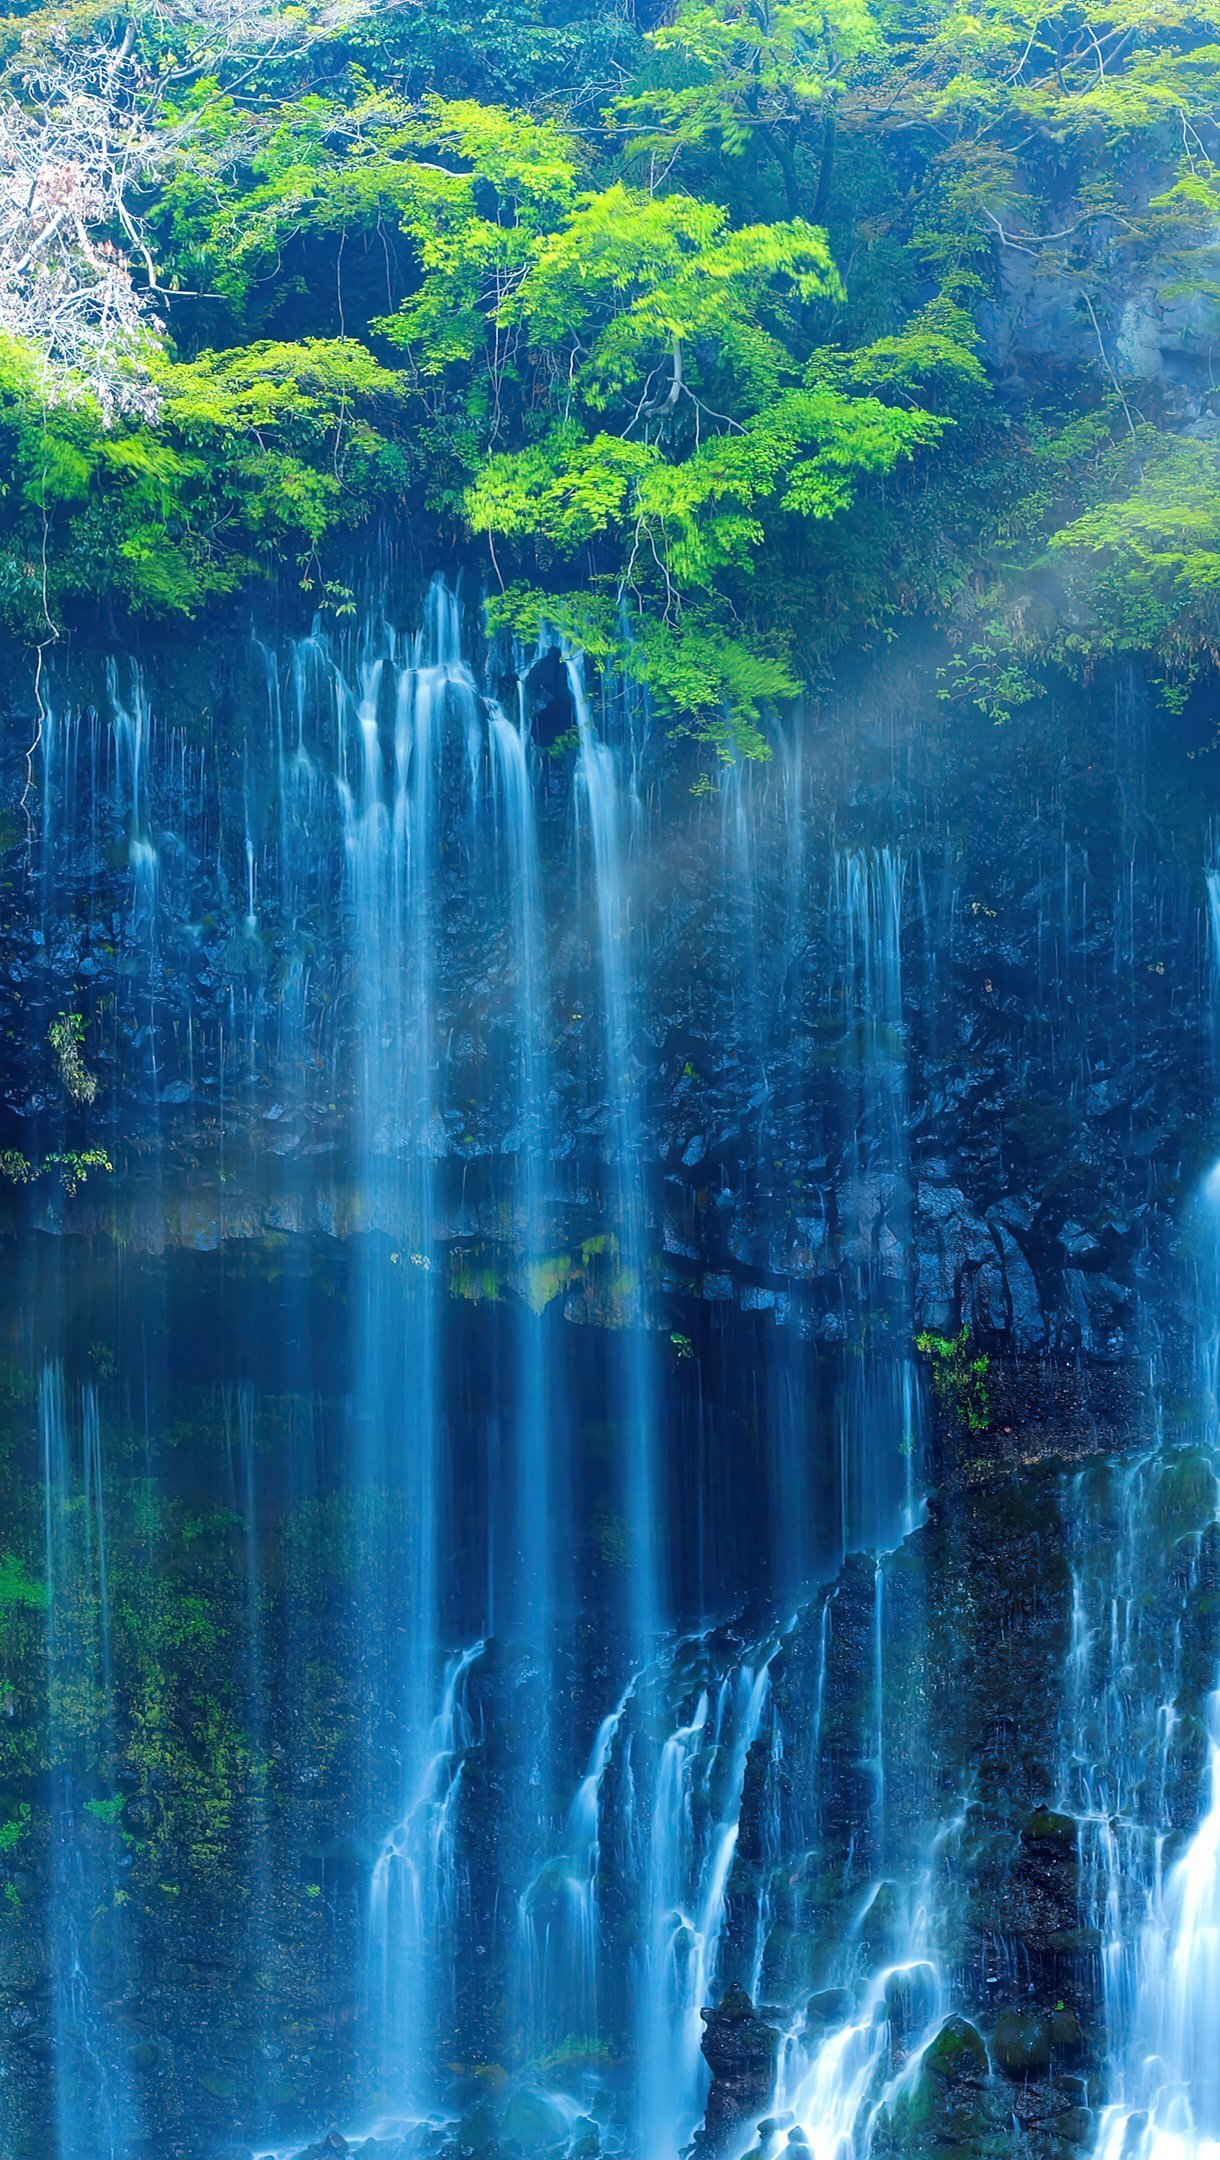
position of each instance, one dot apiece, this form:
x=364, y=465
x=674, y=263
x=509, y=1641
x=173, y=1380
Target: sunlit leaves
x=566, y=489
x=807, y=453
x=267, y=446
x=1148, y=553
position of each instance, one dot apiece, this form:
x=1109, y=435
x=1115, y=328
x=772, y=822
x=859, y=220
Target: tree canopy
x=729, y=337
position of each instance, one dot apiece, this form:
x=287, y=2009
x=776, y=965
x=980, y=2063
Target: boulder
x=740, y=2050
x=1021, y=2044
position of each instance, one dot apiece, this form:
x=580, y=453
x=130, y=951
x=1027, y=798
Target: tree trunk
x=826, y=169
x=782, y=153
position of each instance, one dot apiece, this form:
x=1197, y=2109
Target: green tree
x=682, y=328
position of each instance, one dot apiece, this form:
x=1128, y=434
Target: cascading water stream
x=1169, y=2104
x=700, y=1778
x=297, y=788
x=608, y=813
x=95, y=2117
x=393, y=734
x=867, y=900
x=415, y=1880
x=130, y=721
x=558, y=1920
x=1132, y=1738
x=535, y=1496
x=834, y=2099
x=788, y=1357
x=853, y=2052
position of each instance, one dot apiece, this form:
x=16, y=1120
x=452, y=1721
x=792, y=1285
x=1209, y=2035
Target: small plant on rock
x=66, y=1036
x=73, y=1165
x=959, y=1381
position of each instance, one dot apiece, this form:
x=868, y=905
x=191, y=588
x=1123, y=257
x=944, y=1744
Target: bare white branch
x=76, y=135
x=79, y=140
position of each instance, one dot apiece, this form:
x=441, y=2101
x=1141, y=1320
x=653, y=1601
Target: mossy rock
x=532, y=2121
x=1021, y=2043
x=490, y=2077
x=951, y=2103
x=477, y=2131
x=829, y=2007
x=1067, y=2034
x=958, y=2052
x=218, y=2085
x=1047, y=1829
x=768, y=2134
x=1183, y=1497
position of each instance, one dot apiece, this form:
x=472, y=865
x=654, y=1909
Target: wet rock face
x=894, y=1042
x=740, y=2050
x=953, y=2102
x=868, y=1046
x=912, y=1731
x=1001, y=2095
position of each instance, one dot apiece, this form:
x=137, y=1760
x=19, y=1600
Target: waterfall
x=1135, y=1735
x=878, y=1991
x=868, y=899
x=415, y=1887
x=1170, y=2075
x=695, y=1815
x=395, y=734
x=297, y=791
x=558, y=1158
x=94, y=2111
x=536, y=1498
x=766, y=987
x=559, y=1923
x=131, y=724
x=835, y=2099
x=1163, y=1979
x=610, y=808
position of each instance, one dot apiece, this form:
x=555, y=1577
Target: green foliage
x=18, y=1588
x=73, y=1165
x=682, y=330
x=268, y=448
x=732, y=77
x=805, y=453
x=1146, y=556
x=993, y=673
x=107, y=1811
x=713, y=684
x=66, y=1036
x=13, y=1830
x=959, y=1381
